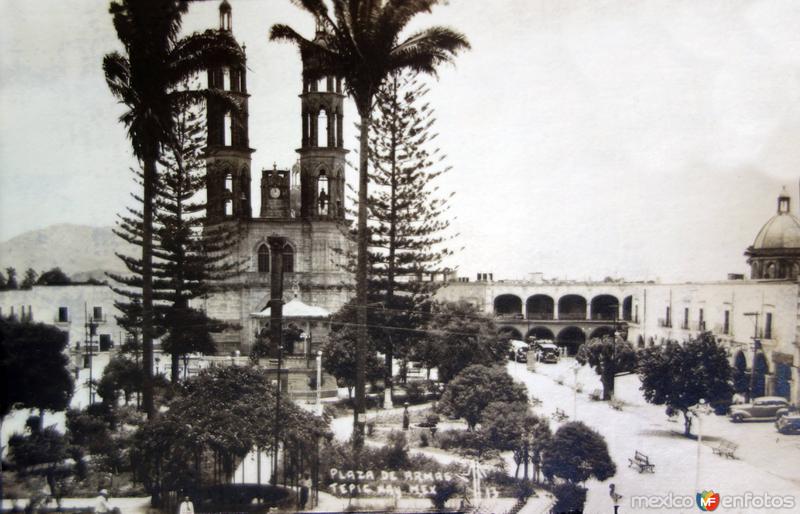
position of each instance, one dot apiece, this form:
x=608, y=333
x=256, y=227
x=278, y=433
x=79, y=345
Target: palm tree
x=360, y=42
x=147, y=79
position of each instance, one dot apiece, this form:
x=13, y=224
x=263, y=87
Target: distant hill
x=80, y=251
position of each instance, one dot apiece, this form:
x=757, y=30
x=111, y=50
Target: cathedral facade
x=304, y=204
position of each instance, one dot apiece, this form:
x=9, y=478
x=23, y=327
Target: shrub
x=444, y=491
x=569, y=497
x=423, y=439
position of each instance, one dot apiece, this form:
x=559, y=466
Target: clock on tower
x=275, y=193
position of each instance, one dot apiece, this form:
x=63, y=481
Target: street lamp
x=699, y=410
x=319, y=382
x=756, y=347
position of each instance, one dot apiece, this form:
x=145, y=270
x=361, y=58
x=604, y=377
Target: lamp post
x=699, y=410
x=575, y=369
x=319, y=382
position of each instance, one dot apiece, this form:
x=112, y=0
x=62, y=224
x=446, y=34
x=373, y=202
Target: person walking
x=186, y=507
x=615, y=497
x=305, y=487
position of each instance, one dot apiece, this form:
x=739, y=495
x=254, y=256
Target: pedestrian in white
x=615, y=497
x=101, y=504
x=187, y=507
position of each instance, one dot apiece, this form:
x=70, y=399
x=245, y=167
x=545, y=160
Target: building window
x=97, y=314
x=768, y=326
x=701, y=324
x=63, y=315
x=726, y=325
x=105, y=342
x=686, y=318
x=636, y=314
x=288, y=259
x=263, y=259
x=669, y=317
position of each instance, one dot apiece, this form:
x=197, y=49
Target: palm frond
x=200, y=51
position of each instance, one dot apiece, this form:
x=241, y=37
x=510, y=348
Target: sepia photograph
x=400, y=256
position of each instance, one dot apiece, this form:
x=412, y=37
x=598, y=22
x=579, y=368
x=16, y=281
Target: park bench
x=641, y=462
x=615, y=404
x=596, y=395
x=726, y=448
x=559, y=415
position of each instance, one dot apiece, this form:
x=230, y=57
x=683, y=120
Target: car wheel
x=737, y=418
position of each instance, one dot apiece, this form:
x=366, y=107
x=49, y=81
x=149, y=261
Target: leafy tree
x=30, y=279
x=34, y=367
x=147, y=79
x=608, y=357
x=54, y=277
x=121, y=375
x=94, y=436
x=680, y=375
x=361, y=43
x=570, y=497
x=42, y=452
x=339, y=358
x=11, y=278
x=577, y=453
x=219, y=416
x=458, y=335
x=3, y=282
x=474, y=388
x=264, y=347
x=512, y=427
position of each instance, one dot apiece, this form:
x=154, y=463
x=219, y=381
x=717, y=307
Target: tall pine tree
x=190, y=258
x=408, y=232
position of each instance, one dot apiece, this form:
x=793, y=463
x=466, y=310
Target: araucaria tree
x=407, y=227
x=191, y=258
x=147, y=77
x=361, y=43
x=680, y=375
x=608, y=357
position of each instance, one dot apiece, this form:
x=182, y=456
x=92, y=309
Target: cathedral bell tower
x=322, y=153
x=227, y=144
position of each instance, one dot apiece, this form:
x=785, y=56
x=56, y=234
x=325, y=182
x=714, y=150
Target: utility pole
x=91, y=330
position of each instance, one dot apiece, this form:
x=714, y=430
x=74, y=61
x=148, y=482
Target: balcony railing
x=540, y=315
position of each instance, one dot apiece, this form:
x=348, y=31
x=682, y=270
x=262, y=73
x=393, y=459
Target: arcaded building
x=304, y=204
x=757, y=319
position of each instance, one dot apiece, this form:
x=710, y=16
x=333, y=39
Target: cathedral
x=305, y=205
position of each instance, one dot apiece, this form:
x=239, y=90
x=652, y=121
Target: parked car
x=546, y=352
x=518, y=351
x=789, y=424
x=764, y=407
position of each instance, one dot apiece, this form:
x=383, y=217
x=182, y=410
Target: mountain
x=80, y=251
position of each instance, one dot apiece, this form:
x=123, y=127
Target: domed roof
x=781, y=231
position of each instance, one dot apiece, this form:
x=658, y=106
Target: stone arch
x=571, y=338
x=540, y=333
x=539, y=306
x=601, y=332
x=760, y=371
x=605, y=307
x=572, y=306
x=627, y=308
x=771, y=271
x=508, y=305
x=509, y=332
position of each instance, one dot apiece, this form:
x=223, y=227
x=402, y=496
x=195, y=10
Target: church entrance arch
x=571, y=338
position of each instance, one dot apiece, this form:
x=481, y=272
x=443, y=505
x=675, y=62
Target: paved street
x=767, y=461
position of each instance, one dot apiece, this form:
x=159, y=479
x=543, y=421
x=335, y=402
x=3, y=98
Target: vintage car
x=518, y=351
x=789, y=424
x=547, y=352
x=764, y=407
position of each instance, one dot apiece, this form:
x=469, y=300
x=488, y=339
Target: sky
x=587, y=138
